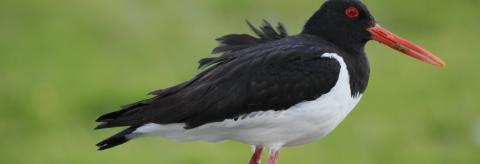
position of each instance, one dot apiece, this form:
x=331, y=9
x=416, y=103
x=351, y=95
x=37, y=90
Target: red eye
x=352, y=12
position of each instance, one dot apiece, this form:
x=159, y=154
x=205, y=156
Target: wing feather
x=272, y=75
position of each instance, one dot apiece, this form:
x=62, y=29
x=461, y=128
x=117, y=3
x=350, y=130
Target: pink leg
x=273, y=158
x=257, y=156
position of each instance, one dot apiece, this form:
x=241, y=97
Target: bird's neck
x=342, y=40
x=359, y=71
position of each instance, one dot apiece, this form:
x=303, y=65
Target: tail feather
x=110, y=116
x=119, y=118
x=110, y=120
x=132, y=117
x=117, y=139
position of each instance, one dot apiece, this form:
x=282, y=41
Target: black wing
x=266, y=79
x=272, y=76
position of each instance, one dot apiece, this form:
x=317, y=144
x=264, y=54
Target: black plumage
x=269, y=75
x=116, y=139
x=273, y=71
x=235, y=42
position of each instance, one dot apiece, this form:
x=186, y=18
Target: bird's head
x=349, y=25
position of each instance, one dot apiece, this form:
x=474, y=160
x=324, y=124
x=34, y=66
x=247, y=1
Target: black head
x=343, y=22
x=349, y=25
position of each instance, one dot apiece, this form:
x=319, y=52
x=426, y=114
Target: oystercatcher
x=270, y=91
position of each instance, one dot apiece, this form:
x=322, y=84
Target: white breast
x=300, y=124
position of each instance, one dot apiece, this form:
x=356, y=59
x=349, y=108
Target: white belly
x=300, y=124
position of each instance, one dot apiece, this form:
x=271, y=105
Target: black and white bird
x=270, y=91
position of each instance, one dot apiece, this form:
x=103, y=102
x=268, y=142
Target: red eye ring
x=352, y=12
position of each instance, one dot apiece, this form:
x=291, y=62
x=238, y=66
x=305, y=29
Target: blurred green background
x=63, y=63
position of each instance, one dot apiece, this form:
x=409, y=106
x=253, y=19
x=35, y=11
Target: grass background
x=63, y=63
